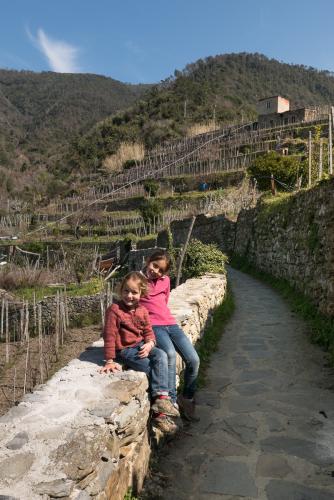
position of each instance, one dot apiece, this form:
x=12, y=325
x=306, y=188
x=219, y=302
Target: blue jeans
x=155, y=366
x=172, y=339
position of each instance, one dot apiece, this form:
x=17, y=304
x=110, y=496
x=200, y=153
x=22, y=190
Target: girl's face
x=131, y=293
x=156, y=269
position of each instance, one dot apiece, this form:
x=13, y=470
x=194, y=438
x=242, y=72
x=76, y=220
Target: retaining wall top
x=83, y=435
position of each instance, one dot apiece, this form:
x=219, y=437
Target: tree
x=285, y=169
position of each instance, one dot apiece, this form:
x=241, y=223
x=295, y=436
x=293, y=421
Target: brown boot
x=165, y=425
x=187, y=408
x=165, y=406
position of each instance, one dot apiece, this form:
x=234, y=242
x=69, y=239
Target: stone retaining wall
x=208, y=229
x=84, y=435
x=294, y=240
x=77, y=307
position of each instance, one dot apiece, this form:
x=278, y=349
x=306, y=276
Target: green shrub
x=129, y=164
x=150, y=209
x=202, y=258
x=151, y=187
x=285, y=169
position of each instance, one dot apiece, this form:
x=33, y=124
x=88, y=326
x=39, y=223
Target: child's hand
x=146, y=349
x=111, y=367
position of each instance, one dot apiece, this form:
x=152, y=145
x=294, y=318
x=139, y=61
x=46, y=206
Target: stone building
x=275, y=111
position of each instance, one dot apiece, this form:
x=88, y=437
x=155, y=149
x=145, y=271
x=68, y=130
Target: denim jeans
x=172, y=339
x=155, y=366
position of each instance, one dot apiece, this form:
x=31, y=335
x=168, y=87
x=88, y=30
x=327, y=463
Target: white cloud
x=61, y=56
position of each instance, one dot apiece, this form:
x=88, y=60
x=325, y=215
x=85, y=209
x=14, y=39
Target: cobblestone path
x=267, y=412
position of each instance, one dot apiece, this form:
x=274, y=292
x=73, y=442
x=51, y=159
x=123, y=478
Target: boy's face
x=130, y=294
x=156, y=269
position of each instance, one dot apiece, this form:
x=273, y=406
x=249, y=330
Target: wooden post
x=40, y=344
x=309, y=159
x=320, y=159
x=184, y=249
x=273, y=186
x=26, y=366
x=2, y=318
x=7, y=334
x=57, y=325
x=330, y=146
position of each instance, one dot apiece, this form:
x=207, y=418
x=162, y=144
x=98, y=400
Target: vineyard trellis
x=23, y=325
x=213, y=152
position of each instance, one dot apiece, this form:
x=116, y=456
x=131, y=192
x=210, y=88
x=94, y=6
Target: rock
x=83, y=451
x=58, y=488
x=15, y=412
x=272, y=466
x=125, y=390
x=312, y=451
x=80, y=495
x=105, y=409
x=18, y=441
x=277, y=490
x=14, y=467
x=228, y=478
x=243, y=427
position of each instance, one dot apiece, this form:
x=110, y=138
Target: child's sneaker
x=164, y=405
x=165, y=424
x=187, y=408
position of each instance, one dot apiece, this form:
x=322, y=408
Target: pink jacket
x=156, y=302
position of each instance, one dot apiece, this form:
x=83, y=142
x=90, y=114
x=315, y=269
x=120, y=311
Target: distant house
x=275, y=111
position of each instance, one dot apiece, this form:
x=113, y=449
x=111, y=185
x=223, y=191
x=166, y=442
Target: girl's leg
x=165, y=343
x=189, y=355
x=155, y=366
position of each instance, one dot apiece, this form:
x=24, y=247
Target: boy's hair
x=135, y=276
x=160, y=255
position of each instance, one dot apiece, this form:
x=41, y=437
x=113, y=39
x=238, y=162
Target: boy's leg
x=130, y=356
x=164, y=342
x=159, y=383
x=156, y=368
x=189, y=355
x=159, y=372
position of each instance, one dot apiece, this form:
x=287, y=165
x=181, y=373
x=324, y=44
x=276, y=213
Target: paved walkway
x=267, y=413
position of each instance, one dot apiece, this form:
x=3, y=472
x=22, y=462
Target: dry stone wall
x=208, y=229
x=84, y=435
x=77, y=307
x=294, y=239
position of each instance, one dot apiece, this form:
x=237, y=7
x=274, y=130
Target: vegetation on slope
x=225, y=88
x=41, y=111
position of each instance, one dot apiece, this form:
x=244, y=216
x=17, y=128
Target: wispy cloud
x=62, y=57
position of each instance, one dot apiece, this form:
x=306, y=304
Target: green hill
x=225, y=88
x=54, y=127
x=40, y=112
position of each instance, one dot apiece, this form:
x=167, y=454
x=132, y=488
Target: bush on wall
x=150, y=209
x=151, y=187
x=286, y=169
x=202, y=258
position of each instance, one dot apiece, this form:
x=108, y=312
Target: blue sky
x=146, y=40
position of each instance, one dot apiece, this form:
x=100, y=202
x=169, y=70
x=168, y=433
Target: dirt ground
x=23, y=373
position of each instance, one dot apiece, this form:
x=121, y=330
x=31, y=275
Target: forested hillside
x=56, y=126
x=224, y=88
x=41, y=112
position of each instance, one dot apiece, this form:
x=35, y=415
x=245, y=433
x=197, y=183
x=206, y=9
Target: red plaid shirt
x=124, y=328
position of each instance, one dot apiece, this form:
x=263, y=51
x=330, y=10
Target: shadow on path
x=267, y=412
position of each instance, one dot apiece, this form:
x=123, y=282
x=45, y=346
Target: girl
x=129, y=338
x=169, y=336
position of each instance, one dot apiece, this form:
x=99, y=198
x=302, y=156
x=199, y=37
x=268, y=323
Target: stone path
x=267, y=413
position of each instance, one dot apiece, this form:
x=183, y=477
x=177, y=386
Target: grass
x=212, y=335
x=73, y=290
x=321, y=326
x=129, y=495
